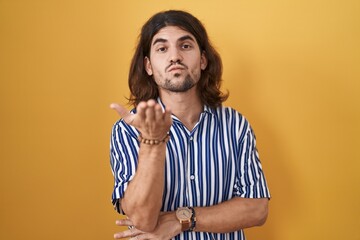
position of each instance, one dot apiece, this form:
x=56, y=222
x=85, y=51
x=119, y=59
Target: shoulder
x=229, y=114
x=232, y=120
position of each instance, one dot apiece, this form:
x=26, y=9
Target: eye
x=161, y=49
x=186, y=46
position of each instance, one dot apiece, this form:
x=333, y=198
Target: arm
x=249, y=205
x=232, y=215
x=143, y=197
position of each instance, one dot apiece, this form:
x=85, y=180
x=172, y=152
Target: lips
x=174, y=68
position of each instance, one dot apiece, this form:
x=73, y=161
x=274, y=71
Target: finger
x=158, y=112
x=145, y=236
x=118, y=235
x=132, y=232
x=124, y=222
x=150, y=114
x=167, y=117
x=151, y=102
x=140, y=109
x=123, y=112
x=138, y=237
x=124, y=234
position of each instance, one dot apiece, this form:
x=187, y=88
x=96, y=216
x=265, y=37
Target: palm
x=149, y=119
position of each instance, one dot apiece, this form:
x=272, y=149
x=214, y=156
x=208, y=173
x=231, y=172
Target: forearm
x=143, y=197
x=235, y=214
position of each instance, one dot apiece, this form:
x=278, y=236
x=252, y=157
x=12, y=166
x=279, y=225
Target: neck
x=186, y=106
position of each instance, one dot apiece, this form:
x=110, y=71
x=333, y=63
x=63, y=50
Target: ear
x=147, y=65
x=203, y=61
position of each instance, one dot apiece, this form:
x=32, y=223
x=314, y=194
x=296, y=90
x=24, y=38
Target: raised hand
x=149, y=119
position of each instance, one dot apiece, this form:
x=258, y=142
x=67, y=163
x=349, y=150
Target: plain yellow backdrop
x=292, y=68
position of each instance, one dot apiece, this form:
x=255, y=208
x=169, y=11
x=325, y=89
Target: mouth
x=176, y=67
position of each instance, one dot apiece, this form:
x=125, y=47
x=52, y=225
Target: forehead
x=171, y=33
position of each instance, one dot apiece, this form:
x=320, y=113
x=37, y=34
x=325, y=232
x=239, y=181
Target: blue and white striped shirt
x=212, y=163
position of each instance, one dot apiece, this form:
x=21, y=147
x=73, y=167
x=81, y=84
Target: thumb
x=123, y=112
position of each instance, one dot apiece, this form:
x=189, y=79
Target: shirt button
x=192, y=177
x=191, y=138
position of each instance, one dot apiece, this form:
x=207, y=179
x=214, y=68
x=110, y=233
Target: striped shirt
x=214, y=162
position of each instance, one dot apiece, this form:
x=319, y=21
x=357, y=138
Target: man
x=185, y=167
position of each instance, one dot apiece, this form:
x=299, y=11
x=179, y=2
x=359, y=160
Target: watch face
x=183, y=213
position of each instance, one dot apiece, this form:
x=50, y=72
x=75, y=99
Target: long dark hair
x=143, y=87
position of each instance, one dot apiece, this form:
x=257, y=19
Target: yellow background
x=292, y=68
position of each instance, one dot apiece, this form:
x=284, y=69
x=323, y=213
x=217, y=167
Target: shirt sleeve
x=124, y=149
x=250, y=179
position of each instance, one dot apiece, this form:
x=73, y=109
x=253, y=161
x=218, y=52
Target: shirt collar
x=206, y=109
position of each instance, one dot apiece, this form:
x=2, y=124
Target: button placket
x=190, y=168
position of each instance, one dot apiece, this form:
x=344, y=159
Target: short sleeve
x=250, y=180
x=123, y=159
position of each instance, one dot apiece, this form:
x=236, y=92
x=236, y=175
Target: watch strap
x=193, y=220
x=185, y=225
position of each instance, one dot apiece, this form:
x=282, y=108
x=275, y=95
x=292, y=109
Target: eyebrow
x=183, y=38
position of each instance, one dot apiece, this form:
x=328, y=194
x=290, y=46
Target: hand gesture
x=149, y=119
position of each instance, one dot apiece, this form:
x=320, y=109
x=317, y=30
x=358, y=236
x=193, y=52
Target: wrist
x=187, y=218
x=193, y=220
x=152, y=141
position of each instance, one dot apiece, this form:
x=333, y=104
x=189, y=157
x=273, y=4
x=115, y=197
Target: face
x=175, y=60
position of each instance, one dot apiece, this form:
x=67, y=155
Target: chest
x=200, y=167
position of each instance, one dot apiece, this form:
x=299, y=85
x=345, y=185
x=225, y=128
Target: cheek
x=198, y=73
x=196, y=70
x=158, y=75
x=195, y=74
x=158, y=66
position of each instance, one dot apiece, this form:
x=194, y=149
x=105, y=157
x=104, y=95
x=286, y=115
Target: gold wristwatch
x=186, y=217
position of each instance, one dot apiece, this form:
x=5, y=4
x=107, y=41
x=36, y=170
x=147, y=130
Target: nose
x=175, y=56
